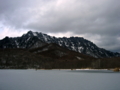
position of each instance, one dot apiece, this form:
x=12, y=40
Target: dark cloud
x=96, y=20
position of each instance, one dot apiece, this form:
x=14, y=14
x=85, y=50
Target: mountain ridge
x=37, y=39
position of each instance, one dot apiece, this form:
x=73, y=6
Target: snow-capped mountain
x=36, y=39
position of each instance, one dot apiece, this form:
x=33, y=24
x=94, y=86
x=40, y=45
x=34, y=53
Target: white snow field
x=59, y=80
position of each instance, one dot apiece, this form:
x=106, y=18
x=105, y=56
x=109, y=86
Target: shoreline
x=112, y=69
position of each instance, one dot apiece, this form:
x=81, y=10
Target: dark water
x=59, y=80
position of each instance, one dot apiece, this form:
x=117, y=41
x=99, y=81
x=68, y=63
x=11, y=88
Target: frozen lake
x=59, y=80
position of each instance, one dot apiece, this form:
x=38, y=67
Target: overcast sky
x=95, y=20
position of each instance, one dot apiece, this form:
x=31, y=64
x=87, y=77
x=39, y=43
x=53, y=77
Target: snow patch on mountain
x=79, y=58
x=34, y=33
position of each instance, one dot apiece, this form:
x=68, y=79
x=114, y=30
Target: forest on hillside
x=23, y=59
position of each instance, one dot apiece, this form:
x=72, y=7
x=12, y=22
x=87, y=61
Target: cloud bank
x=96, y=20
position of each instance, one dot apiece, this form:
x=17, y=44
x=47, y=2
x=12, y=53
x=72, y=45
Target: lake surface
x=59, y=80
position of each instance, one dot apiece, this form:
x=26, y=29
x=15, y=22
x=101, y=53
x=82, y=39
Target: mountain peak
x=30, y=33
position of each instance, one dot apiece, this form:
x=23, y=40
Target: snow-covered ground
x=59, y=80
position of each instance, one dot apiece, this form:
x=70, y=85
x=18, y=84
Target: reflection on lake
x=59, y=80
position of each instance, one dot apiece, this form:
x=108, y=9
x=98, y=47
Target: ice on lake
x=59, y=80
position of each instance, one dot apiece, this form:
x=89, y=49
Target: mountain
x=49, y=56
x=52, y=56
x=55, y=51
x=35, y=39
